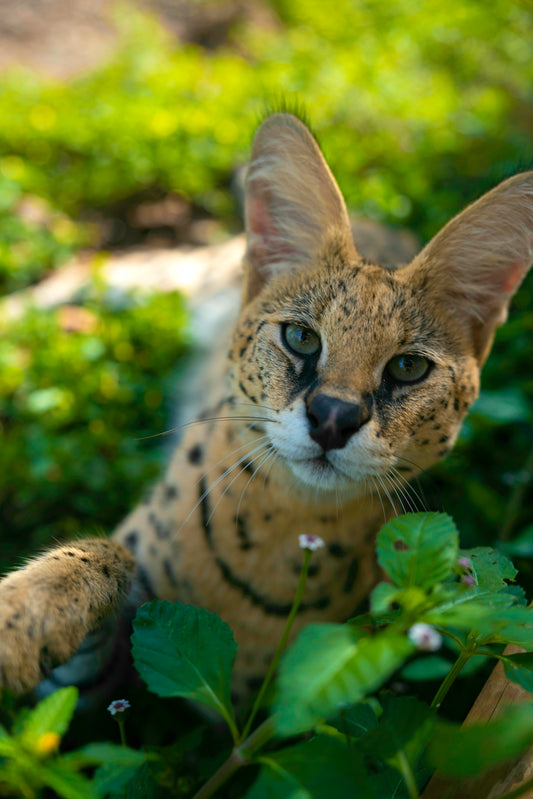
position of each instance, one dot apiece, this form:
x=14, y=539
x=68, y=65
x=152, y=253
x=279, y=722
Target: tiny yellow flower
x=47, y=744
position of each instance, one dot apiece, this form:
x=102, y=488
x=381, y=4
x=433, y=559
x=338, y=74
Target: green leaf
x=418, y=549
x=465, y=608
x=382, y=597
x=505, y=406
x=357, y=719
x=107, y=753
x=52, y=714
x=318, y=769
x=522, y=545
x=466, y=751
x=432, y=667
x=519, y=668
x=181, y=650
x=508, y=626
x=329, y=665
x=490, y=568
x=63, y=781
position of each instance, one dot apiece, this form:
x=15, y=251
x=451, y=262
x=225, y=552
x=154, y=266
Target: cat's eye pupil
x=408, y=367
x=300, y=339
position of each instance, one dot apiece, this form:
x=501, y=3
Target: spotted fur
x=319, y=442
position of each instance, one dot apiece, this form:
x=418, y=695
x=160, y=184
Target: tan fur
x=221, y=529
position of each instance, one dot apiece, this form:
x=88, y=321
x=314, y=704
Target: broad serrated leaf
x=331, y=665
x=52, y=714
x=465, y=608
x=519, y=669
x=318, y=769
x=182, y=650
x=491, y=569
x=418, y=549
x=466, y=751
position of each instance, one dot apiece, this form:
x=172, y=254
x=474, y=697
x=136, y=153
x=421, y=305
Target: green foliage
x=418, y=550
x=384, y=747
x=80, y=390
x=30, y=761
x=467, y=751
x=333, y=664
x=181, y=650
x=416, y=113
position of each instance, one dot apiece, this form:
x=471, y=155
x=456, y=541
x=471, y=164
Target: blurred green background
x=418, y=109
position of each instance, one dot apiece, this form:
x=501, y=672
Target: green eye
x=300, y=340
x=408, y=367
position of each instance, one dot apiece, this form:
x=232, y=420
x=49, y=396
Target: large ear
x=478, y=260
x=292, y=202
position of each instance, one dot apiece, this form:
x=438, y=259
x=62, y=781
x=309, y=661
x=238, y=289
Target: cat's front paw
x=48, y=607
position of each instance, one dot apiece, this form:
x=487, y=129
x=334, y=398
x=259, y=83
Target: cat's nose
x=332, y=422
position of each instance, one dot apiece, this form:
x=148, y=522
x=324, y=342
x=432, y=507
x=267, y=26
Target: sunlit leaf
x=331, y=665
x=418, y=549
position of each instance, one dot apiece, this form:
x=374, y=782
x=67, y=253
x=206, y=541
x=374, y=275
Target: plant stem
x=282, y=644
x=240, y=756
x=122, y=731
x=408, y=776
x=450, y=678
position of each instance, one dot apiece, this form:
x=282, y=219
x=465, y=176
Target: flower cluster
x=118, y=706
x=311, y=542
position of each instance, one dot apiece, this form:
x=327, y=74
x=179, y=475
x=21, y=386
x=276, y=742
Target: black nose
x=332, y=422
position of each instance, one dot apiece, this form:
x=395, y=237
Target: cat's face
x=364, y=383
x=362, y=376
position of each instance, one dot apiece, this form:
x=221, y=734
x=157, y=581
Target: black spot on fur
x=351, y=576
x=196, y=454
x=205, y=511
x=171, y=492
x=265, y=603
x=167, y=567
x=132, y=540
x=337, y=551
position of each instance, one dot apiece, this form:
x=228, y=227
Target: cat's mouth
x=319, y=472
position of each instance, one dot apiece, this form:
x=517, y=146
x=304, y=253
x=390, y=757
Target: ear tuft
x=292, y=202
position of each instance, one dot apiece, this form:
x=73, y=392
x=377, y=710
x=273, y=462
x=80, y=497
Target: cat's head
x=364, y=374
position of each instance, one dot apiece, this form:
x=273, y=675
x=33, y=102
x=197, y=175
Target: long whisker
x=378, y=492
x=387, y=493
x=405, y=500
x=217, y=481
x=409, y=488
x=226, y=488
x=271, y=451
x=173, y=430
x=228, y=455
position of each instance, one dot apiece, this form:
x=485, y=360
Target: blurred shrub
x=419, y=108
x=80, y=389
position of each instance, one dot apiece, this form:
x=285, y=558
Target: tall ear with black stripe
x=472, y=268
x=292, y=202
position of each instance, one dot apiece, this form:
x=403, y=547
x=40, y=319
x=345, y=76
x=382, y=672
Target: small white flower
x=118, y=706
x=425, y=637
x=311, y=542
